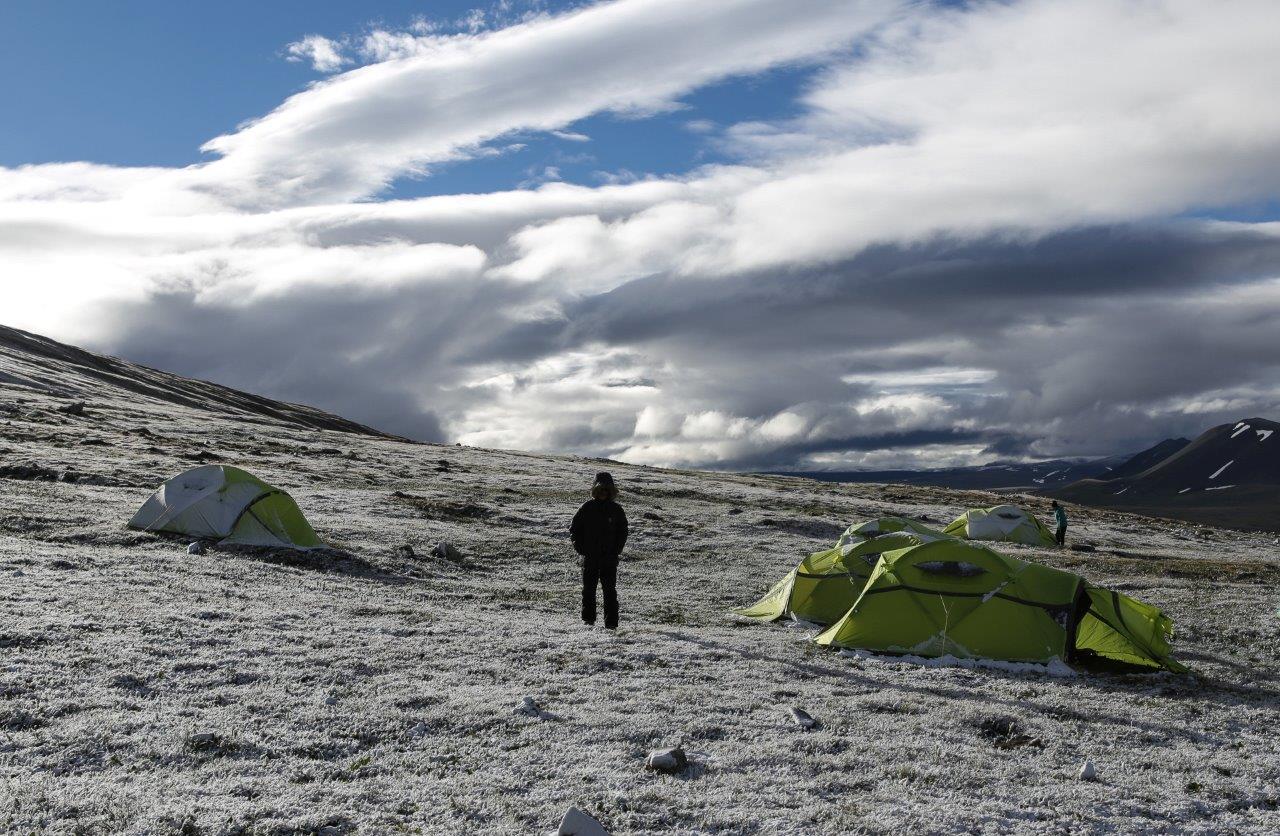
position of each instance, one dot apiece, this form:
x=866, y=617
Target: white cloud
x=326, y=56
x=1000, y=122
x=348, y=137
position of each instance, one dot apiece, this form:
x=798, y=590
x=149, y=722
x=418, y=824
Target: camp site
x=639, y=418
x=214, y=614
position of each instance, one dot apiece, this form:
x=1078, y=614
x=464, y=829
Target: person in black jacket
x=599, y=532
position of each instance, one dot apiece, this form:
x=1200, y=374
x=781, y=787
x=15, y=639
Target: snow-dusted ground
x=145, y=690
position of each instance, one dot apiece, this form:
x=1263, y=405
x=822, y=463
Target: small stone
x=802, y=718
x=445, y=551
x=420, y=730
x=1088, y=772
x=195, y=548
x=405, y=552
x=578, y=823
x=330, y=700
x=202, y=741
x=649, y=515
x=529, y=707
x=669, y=761
x=75, y=408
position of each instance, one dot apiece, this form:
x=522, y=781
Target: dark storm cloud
x=1079, y=332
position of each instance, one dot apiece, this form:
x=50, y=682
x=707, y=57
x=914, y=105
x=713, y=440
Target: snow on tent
x=1005, y=523
x=826, y=583
x=952, y=598
x=227, y=503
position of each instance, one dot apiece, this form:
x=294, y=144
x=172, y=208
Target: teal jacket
x=1061, y=516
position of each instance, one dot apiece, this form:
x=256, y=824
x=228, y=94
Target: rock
x=195, y=548
x=202, y=741
x=649, y=515
x=735, y=510
x=802, y=718
x=529, y=707
x=669, y=761
x=1088, y=772
x=406, y=552
x=1083, y=547
x=331, y=700
x=578, y=823
x=74, y=408
x=420, y=730
x=445, y=551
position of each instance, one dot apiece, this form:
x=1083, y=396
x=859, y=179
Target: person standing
x=1060, y=515
x=599, y=533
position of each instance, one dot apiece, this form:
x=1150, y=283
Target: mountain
x=1229, y=476
x=372, y=688
x=993, y=476
x=39, y=364
x=1146, y=459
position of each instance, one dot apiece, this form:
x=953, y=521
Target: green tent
x=1003, y=523
x=228, y=504
x=950, y=597
x=826, y=583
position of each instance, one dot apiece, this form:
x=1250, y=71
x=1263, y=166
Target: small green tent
x=1003, y=523
x=229, y=504
x=826, y=583
x=950, y=597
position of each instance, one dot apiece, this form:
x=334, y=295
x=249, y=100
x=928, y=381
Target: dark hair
x=604, y=490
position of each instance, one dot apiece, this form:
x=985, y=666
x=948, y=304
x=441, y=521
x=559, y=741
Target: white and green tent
x=227, y=504
x=1003, y=523
x=825, y=584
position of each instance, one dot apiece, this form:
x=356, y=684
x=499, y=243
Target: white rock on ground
x=801, y=718
x=669, y=761
x=1088, y=772
x=578, y=823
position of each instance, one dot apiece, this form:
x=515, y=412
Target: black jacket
x=599, y=529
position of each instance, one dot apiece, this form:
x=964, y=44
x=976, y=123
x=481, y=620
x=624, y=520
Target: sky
x=732, y=234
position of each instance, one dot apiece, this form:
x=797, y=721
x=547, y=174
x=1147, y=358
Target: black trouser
x=603, y=571
x=1062, y=535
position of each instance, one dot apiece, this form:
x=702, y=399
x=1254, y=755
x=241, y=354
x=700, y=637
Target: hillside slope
x=31, y=363
x=1229, y=475
x=1148, y=458
x=364, y=691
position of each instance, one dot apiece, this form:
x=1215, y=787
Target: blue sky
x=1024, y=196
x=147, y=82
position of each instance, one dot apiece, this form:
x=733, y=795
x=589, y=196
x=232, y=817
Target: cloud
x=326, y=56
x=348, y=137
x=979, y=234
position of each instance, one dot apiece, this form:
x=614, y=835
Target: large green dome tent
x=949, y=597
x=1003, y=523
x=228, y=504
x=826, y=583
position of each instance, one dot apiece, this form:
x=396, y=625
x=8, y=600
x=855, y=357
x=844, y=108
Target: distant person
x=599, y=532
x=1060, y=515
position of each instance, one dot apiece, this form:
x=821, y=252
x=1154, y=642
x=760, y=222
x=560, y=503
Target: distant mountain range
x=1229, y=476
x=1034, y=476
